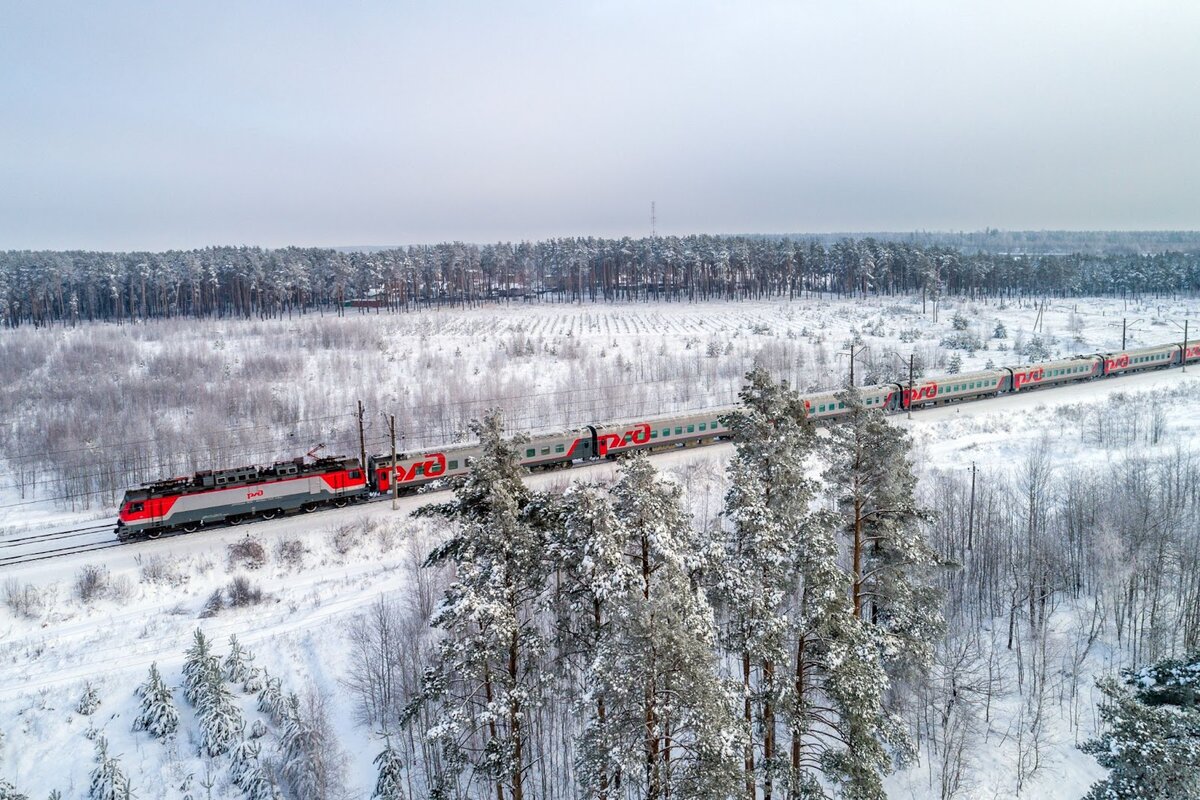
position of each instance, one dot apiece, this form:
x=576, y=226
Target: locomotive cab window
x=136, y=507
x=355, y=475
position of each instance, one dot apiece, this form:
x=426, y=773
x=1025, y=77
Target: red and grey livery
x=233, y=496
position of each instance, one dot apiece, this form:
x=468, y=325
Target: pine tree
x=89, y=702
x=489, y=679
x=390, y=784
x=237, y=664
x=766, y=509
x=9, y=792
x=597, y=579
x=891, y=563
x=892, y=602
x=1151, y=744
x=679, y=735
x=955, y=364
x=157, y=714
x=221, y=722
x=271, y=700
x=108, y=781
x=200, y=667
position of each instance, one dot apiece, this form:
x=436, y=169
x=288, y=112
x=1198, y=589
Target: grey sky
x=152, y=125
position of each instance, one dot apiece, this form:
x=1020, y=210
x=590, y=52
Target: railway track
x=58, y=552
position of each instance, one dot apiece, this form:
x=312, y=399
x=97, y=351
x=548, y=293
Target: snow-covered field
x=670, y=356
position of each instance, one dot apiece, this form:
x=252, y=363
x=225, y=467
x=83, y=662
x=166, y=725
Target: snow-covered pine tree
x=237, y=664
x=955, y=365
x=390, y=784
x=200, y=667
x=221, y=722
x=253, y=684
x=247, y=772
x=656, y=666
x=891, y=564
x=1151, y=745
x=108, y=781
x=596, y=578
x=271, y=700
x=157, y=714
x=768, y=520
x=89, y=701
x=488, y=683
x=9, y=792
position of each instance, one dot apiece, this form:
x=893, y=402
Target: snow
x=298, y=632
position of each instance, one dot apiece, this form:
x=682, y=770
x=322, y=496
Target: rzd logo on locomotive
x=639, y=434
x=1022, y=378
x=252, y=495
x=927, y=392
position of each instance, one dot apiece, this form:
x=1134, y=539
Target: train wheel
x=340, y=502
x=236, y=519
x=153, y=534
x=272, y=514
x=191, y=527
x=309, y=507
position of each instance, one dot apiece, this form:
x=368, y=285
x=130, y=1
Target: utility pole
x=1183, y=352
x=854, y=353
x=362, y=438
x=1123, y=332
x=395, y=483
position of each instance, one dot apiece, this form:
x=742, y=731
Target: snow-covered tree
x=656, y=666
x=200, y=667
x=247, y=772
x=157, y=714
x=589, y=546
x=767, y=521
x=9, y=792
x=237, y=664
x=390, y=783
x=1151, y=744
x=221, y=721
x=108, y=781
x=311, y=762
x=271, y=700
x=955, y=365
x=891, y=586
x=89, y=701
x=488, y=682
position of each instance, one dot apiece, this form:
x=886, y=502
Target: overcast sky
x=158, y=125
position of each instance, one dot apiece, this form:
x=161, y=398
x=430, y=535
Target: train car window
x=420, y=469
x=653, y=434
x=841, y=405
x=666, y=431
x=820, y=408
x=715, y=423
x=453, y=465
x=678, y=431
x=703, y=426
x=558, y=448
x=530, y=452
x=691, y=428
x=545, y=451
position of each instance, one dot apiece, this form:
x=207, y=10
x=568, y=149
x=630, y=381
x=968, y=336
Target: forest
x=42, y=288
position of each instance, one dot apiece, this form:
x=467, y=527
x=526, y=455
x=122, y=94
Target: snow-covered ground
x=158, y=590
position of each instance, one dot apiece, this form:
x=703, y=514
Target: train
x=234, y=496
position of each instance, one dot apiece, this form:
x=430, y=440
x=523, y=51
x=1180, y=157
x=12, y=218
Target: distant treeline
x=45, y=287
